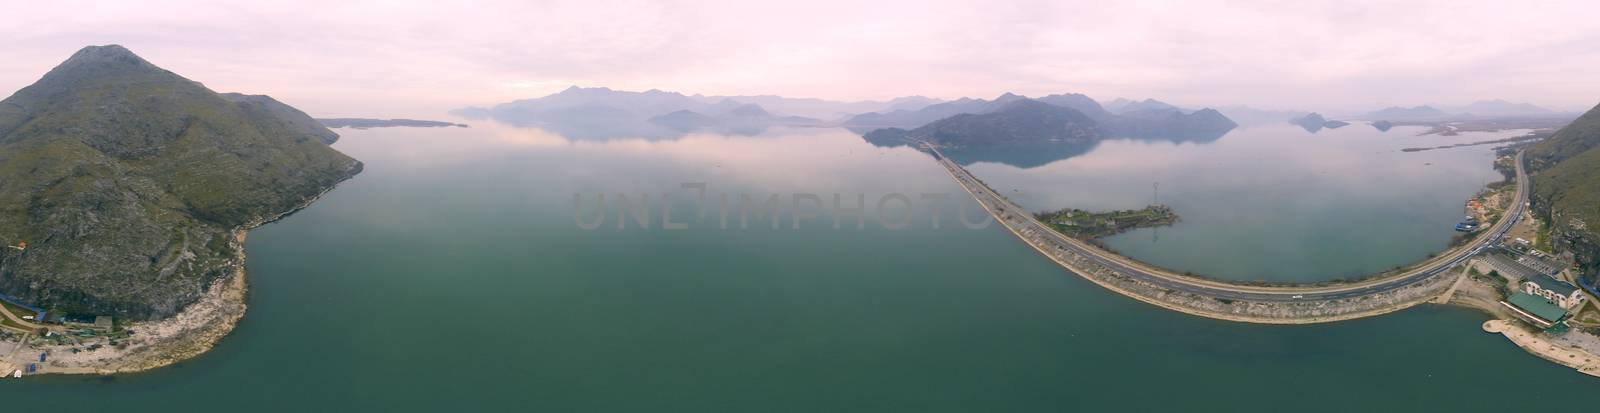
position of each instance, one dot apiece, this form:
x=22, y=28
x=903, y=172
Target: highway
x=1033, y=231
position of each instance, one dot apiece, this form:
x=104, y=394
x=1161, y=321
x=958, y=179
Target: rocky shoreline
x=156, y=344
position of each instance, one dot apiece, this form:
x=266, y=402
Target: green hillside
x=1566, y=187
x=127, y=181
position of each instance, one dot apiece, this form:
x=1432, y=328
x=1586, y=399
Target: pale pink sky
x=391, y=58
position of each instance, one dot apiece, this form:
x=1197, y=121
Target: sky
x=420, y=59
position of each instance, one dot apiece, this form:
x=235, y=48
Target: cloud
x=382, y=58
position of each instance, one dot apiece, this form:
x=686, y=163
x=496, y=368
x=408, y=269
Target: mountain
x=365, y=123
x=604, y=113
x=910, y=103
x=1138, y=120
x=1502, y=108
x=1394, y=113
x=1121, y=106
x=1170, y=123
x=584, y=105
x=685, y=120
x=266, y=109
x=1021, y=121
x=1081, y=103
x=746, y=119
x=129, y=182
x=913, y=118
x=1246, y=115
x=1566, y=188
x=820, y=108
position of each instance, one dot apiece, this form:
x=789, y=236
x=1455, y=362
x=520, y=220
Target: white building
x=1559, y=292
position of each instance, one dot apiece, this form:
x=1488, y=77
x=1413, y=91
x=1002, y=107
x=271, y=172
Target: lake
x=1272, y=202
x=455, y=274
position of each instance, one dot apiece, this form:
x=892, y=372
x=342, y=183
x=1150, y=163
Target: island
x=1082, y=224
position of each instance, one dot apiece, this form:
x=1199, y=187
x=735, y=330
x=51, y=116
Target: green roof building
x=1535, y=310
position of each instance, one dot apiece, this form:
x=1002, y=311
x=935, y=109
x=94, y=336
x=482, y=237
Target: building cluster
x=1540, y=295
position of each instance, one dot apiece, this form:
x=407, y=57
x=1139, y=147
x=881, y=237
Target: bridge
x=1277, y=304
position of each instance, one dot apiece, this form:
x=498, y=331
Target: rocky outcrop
x=1566, y=189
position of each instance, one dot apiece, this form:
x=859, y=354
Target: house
x=102, y=323
x=1559, y=292
x=1534, y=310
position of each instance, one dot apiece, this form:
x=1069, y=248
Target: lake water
x=452, y=275
x=1273, y=202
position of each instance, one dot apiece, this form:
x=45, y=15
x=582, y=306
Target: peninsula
x=126, y=191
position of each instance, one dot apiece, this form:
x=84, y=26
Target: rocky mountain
x=1020, y=122
x=128, y=183
x=1566, y=188
x=1395, y=113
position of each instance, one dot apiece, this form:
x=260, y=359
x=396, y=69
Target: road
x=1023, y=223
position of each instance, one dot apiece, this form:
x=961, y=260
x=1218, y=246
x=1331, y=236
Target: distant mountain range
x=602, y=112
x=1147, y=118
x=1019, y=121
x=911, y=118
x=1120, y=105
x=364, y=123
x=1246, y=115
x=1500, y=107
x=1016, y=120
x=1395, y=113
x=1496, y=108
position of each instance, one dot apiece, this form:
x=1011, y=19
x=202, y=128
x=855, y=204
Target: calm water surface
x=451, y=276
x=1270, y=202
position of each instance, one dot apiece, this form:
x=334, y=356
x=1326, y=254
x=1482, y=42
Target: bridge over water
x=1279, y=304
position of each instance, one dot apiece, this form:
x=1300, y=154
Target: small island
x=361, y=123
x=1082, y=224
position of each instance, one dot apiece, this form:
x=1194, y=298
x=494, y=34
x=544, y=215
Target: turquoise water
x=451, y=276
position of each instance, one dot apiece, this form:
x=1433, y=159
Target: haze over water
x=451, y=276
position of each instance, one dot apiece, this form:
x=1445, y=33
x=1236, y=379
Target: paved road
x=1023, y=222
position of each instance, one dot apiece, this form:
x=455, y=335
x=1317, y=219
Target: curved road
x=1011, y=214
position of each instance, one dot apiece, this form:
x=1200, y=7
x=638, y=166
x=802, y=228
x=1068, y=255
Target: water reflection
x=600, y=125
x=1264, y=203
x=1036, y=155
